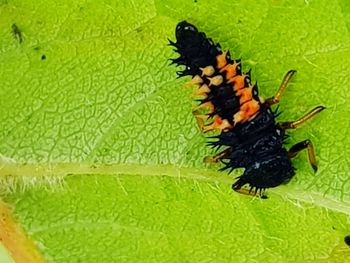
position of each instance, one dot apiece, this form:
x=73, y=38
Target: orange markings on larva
x=216, y=80
x=221, y=60
x=231, y=70
x=218, y=124
x=247, y=110
x=207, y=71
x=202, y=91
x=238, y=82
x=245, y=94
x=196, y=80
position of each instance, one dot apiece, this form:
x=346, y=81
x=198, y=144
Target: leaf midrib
x=60, y=170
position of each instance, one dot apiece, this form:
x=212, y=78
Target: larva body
x=248, y=129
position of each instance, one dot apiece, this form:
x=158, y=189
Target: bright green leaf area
x=90, y=84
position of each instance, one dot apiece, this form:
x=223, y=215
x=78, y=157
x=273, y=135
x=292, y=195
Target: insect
x=230, y=103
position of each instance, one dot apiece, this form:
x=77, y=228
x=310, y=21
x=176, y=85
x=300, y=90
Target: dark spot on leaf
x=29, y=117
x=43, y=57
x=17, y=33
x=347, y=240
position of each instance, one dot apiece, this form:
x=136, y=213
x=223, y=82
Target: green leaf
x=101, y=159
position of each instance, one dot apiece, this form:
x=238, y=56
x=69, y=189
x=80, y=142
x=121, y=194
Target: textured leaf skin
x=105, y=94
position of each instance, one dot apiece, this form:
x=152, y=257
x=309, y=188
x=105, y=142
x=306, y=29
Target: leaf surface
x=88, y=97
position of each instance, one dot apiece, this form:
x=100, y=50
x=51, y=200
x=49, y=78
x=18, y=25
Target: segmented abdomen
x=224, y=89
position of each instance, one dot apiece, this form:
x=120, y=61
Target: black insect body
x=248, y=127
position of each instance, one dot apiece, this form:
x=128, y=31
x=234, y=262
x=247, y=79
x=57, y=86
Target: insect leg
x=307, y=144
x=276, y=99
x=295, y=124
x=200, y=118
x=217, y=124
x=256, y=193
x=218, y=157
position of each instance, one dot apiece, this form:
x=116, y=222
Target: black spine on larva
x=257, y=146
x=262, y=124
x=195, y=49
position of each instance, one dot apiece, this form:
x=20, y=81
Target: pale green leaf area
x=90, y=85
x=4, y=256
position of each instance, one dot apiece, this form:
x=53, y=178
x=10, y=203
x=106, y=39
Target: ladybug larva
x=230, y=103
